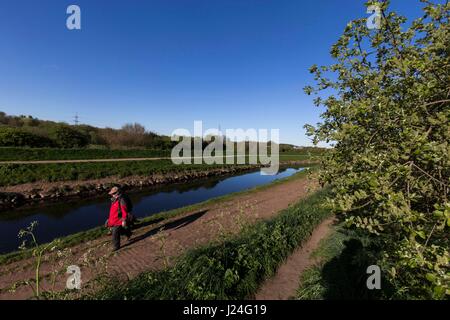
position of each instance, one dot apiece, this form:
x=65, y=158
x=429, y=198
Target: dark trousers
x=117, y=232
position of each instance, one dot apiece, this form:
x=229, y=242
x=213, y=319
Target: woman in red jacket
x=117, y=220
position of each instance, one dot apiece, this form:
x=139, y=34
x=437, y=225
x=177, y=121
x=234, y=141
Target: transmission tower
x=76, y=119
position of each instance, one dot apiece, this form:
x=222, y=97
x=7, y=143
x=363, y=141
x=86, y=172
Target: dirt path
x=284, y=284
x=155, y=246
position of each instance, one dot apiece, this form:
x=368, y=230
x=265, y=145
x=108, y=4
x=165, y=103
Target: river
x=62, y=219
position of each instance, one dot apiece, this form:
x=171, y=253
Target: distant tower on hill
x=76, y=119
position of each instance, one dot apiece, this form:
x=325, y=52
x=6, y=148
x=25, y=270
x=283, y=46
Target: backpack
x=130, y=218
x=128, y=202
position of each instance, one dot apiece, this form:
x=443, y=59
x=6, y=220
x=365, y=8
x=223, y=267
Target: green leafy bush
x=388, y=116
x=20, y=138
x=66, y=137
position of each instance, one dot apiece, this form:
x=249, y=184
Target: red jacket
x=118, y=212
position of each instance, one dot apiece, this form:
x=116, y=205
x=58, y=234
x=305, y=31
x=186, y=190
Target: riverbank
x=43, y=192
x=187, y=228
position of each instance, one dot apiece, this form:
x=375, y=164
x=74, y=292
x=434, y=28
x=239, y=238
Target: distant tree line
x=27, y=131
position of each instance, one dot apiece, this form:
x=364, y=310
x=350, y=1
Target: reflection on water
x=63, y=219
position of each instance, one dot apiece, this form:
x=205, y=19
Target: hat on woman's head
x=114, y=190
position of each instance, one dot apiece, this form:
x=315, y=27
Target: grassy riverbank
x=15, y=174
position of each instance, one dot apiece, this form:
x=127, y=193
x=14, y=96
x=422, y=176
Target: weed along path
x=285, y=282
x=154, y=245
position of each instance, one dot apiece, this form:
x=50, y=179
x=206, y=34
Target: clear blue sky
x=166, y=63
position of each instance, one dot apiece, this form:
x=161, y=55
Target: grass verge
x=230, y=269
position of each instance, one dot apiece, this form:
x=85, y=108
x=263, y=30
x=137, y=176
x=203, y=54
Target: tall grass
x=232, y=269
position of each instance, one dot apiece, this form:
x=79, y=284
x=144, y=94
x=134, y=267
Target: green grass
x=230, y=269
x=40, y=154
x=25, y=154
x=341, y=273
x=295, y=157
x=13, y=174
x=96, y=233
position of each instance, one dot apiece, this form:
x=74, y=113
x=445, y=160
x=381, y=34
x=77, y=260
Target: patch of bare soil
x=284, y=284
x=154, y=246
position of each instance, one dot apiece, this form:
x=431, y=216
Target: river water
x=62, y=219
